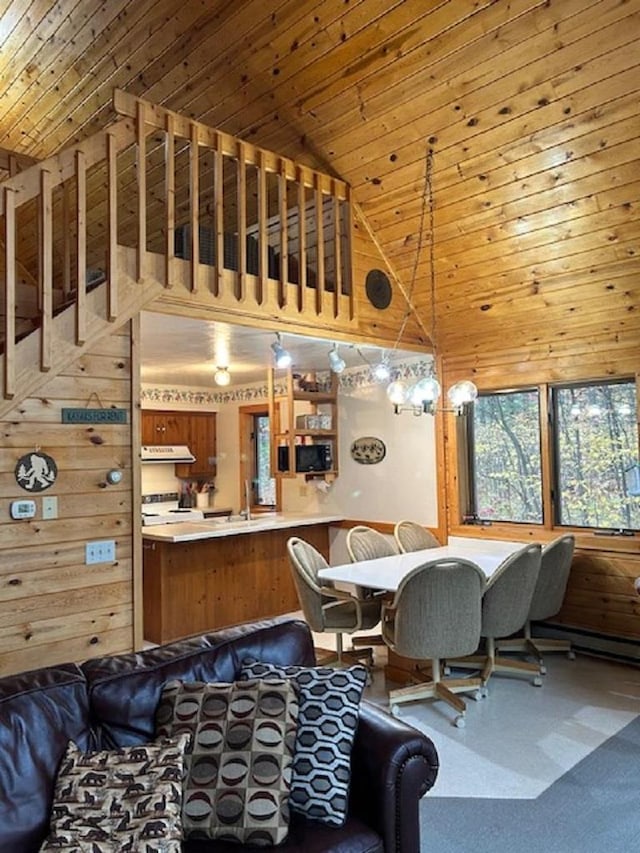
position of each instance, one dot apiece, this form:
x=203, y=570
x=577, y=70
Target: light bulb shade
x=382, y=371
x=336, y=362
x=222, y=376
x=398, y=392
x=462, y=393
x=426, y=390
x=281, y=356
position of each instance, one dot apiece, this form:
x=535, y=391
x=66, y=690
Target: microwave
x=309, y=457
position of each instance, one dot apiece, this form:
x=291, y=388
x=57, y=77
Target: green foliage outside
x=507, y=469
x=596, y=456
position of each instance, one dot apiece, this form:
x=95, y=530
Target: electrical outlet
x=49, y=507
x=103, y=551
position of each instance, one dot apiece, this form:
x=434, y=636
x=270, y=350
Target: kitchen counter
x=215, y=528
x=199, y=576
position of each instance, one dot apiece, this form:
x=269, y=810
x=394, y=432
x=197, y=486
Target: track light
x=336, y=362
x=282, y=357
x=222, y=376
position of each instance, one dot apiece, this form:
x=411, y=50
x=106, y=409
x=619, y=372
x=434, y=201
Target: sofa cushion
x=123, y=799
x=40, y=711
x=329, y=702
x=124, y=690
x=238, y=767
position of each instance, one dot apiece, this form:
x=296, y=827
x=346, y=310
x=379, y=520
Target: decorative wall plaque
x=36, y=471
x=368, y=450
x=94, y=416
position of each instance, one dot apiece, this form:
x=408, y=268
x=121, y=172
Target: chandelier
x=422, y=396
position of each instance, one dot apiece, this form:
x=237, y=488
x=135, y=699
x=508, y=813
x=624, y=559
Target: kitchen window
x=597, y=470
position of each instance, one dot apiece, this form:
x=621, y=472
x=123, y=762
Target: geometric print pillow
x=238, y=764
x=328, y=718
x=121, y=799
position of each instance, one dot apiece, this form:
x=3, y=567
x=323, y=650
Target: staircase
x=88, y=239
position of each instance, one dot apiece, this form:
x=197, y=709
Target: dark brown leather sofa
x=111, y=701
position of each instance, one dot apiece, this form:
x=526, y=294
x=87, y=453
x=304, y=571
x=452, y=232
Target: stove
x=169, y=516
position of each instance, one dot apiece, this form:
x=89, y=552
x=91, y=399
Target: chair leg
x=439, y=688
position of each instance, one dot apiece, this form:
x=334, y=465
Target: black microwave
x=309, y=457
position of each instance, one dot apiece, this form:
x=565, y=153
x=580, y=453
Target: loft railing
x=191, y=208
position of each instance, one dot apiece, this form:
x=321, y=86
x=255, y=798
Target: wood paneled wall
x=601, y=596
x=53, y=607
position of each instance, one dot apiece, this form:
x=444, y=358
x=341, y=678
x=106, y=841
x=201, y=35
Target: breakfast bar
x=203, y=575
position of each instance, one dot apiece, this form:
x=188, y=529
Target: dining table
x=386, y=573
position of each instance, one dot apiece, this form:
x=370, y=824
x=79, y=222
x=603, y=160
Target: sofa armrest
x=393, y=766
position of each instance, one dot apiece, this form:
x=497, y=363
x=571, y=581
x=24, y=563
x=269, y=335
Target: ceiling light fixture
x=282, y=357
x=382, y=370
x=422, y=397
x=336, y=362
x=222, y=376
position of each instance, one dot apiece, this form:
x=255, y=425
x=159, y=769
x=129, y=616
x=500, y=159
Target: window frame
x=469, y=501
x=555, y=447
x=463, y=463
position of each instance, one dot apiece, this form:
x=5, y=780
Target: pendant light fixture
x=422, y=397
x=281, y=356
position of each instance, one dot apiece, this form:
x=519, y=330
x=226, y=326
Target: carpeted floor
x=592, y=808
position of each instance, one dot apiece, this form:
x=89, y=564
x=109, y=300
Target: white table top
x=387, y=572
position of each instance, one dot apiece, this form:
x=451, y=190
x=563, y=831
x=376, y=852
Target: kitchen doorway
x=255, y=460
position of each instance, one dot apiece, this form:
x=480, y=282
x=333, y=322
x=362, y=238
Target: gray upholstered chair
x=410, y=536
x=505, y=609
x=325, y=608
x=435, y=614
x=555, y=566
x=365, y=543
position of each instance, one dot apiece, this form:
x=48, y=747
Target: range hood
x=166, y=453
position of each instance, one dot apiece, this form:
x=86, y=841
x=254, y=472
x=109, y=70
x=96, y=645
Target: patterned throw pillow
x=122, y=799
x=329, y=704
x=238, y=768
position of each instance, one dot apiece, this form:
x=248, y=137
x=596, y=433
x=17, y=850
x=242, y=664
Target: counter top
x=213, y=528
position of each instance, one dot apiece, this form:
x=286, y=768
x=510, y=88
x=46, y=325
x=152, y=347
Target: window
x=504, y=455
x=597, y=475
x=265, y=484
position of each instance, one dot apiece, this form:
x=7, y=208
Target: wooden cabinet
x=305, y=416
x=195, y=429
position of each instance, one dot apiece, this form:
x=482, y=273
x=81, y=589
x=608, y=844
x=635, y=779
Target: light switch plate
x=103, y=551
x=50, y=507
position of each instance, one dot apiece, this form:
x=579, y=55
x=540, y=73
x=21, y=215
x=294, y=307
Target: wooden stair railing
x=286, y=232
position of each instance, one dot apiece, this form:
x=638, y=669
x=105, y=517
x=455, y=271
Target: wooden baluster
x=263, y=236
x=348, y=252
x=10, y=293
x=66, y=242
x=302, y=240
x=46, y=269
x=242, y=222
x=319, y=217
x=194, y=202
x=112, y=228
x=81, y=248
x=141, y=168
x=170, y=190
x=218, y=191
x=283, y=289
x=337, y=252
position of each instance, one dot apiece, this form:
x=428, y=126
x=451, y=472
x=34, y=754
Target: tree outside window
x=597, y=455
x=506, y=481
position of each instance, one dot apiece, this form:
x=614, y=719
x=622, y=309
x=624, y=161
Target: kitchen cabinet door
x=202, y=443
x=164, y=427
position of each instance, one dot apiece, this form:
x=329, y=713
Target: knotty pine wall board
x=55, y=607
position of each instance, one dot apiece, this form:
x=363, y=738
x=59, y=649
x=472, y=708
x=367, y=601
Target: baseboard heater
x=592, y=642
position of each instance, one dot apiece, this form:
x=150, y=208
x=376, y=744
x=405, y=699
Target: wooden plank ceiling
x=531, y=109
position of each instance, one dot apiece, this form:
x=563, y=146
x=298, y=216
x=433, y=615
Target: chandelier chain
x=427, y=205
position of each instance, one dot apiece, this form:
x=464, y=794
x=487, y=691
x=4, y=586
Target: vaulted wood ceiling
x=531, y=109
